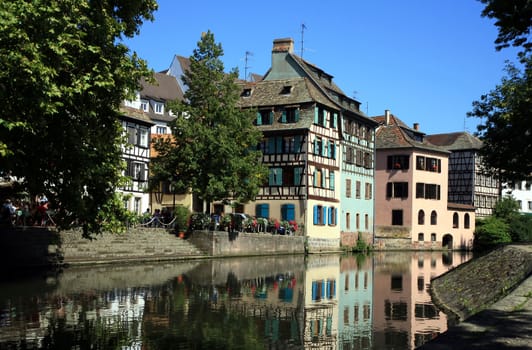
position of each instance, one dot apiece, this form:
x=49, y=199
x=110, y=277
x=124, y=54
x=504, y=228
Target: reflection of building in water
x=355, y=299
x=90, y=317
x=321, y=302
x=403, y=313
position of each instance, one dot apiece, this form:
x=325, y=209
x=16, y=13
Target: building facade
x=412, y=210
x=521, y=191
x=468, y=182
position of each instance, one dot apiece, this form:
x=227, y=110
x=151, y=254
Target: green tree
x=506, y=127
x=490, y=232
x=513, y=19
x=213, y=151
x=507, y=208
x=519, y=225
x=63, y=74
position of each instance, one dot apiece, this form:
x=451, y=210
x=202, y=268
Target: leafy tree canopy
x=213, y=149
x=63, y=75
x=506, y=124
x=513, y=19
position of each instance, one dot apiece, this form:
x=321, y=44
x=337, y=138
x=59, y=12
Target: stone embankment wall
x=34, y=247
x=477, y=284
x=220, y=243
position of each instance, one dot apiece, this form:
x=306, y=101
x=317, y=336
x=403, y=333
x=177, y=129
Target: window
x=137, y=135
x=421, y=237
x=318, y=144
x=397, y=217
x=158, y=107
x=433, y=218
x=265, y=117
x=420, y=283
x=275, y=176
x=262, y=210
x=398, y=162
x=397, y=190
x=286, y=90
x=290, y=115
x=143, y=137
x=433, y=237
x=350, y=155
x=320, y=213
x=396, y=283
x=246, y=93
x=357, y=221
x=428, y=191
x=320, y=116
x=421, y=217
x=369, y=190
x=333, y=120
x=366, y=222
x=455, y=220
x=368, y=160
x=428, y=164
x=288, y=212
x=136, y=205
x=331, y=180
x=144, y=105
x=466, y=220
x=161, y=130
x=529, y=205
x=348, y=221
x=348, y=188
x=333, y=212
x=136, y=170
x=319, y=179
x=357, y=190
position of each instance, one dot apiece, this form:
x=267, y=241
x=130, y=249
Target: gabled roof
x=455, y=141
x=396, y=134
x=164, y=88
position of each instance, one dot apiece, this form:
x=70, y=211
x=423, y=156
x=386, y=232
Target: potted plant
x=181, y=214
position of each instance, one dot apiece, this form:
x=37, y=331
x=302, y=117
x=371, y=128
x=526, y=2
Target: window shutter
x=259, y=118
x=335, y=216
x=315, y=181
x=323, y=151
x=439, y=166
x=279, y=142
x=330, y=216
x=297, y=176
x=283, y=117
x=332, y=151
x=331, y=180
x=288, y=212
x=316, y=150
x=335, y=120
x=323, y=178
x=316, y=115
x=279, y=177
x=296, y=115
x=272, y=115
x=316, y=214
x=324, y=215
x=271, y=145
x=297, y=143
x=271, y=177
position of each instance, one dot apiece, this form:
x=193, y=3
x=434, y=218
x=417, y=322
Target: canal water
x=380, y=301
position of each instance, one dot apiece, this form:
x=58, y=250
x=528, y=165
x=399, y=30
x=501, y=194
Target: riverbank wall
x=41, y=247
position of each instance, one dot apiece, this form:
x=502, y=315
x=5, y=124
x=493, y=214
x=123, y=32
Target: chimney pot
x=416, y=126
x=283, y=45
x=386, y=117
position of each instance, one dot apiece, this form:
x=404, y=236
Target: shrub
x=490, y=232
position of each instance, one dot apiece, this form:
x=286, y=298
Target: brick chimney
x=416, y=126
x=283, y=45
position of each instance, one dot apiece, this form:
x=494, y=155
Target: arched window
x=466, y=220
x=455, y=220
x=421, y=217
x=433, y=218
x=420, y=237
x=433, y=237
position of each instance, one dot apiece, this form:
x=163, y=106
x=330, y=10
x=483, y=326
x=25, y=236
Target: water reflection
x=318, y=302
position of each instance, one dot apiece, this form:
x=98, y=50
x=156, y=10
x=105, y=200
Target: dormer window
x=286, y=90
x=144, y=105
x=246, y=93
x=158, y=107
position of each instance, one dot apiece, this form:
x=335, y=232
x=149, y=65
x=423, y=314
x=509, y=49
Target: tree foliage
x=506, y=124
x=513, y=19
x=213, y=150
x=490, y=232
x=63, y=75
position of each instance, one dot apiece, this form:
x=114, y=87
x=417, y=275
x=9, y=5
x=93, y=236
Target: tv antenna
x=248, y=53
x=303, y=27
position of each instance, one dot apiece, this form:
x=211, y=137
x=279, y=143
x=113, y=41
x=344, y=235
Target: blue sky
x=424, y=60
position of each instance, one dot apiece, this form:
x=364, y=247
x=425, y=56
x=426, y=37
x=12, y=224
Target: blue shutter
x=279, y=178
x=271, y=145
x=259, y=118
x=330, y=215
x=297, y=143
x=271, y=179
x=332, y=151
x=262, y=210
x=296, y=115
x=324, y=215
x=335, y=120
x=279, y=142
x=272, y=115
x=315, y=178
x=316, y=115
x=290, y=212
x=283, y=117
x=336, y=215
x=316, y=213
x=297, y=176
x=323, y=178
x=325, y=286
x=331, y=180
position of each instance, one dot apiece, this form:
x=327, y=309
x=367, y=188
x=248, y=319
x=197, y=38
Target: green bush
x=181, y=215
x=521, y=228
x=490, y=232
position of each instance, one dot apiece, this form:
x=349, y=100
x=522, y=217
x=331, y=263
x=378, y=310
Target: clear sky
x=424, y=60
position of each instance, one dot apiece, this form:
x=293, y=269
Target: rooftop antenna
x=248, y=53
x=303, y=27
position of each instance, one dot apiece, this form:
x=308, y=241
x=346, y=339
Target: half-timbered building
x=300, y=111
x=469, y=183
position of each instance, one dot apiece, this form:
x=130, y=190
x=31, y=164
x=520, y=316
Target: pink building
x=411, y=207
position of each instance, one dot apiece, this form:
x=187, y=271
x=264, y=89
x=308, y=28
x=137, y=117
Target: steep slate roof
x=398, y=135
x=163, y=90
x=455, y=141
